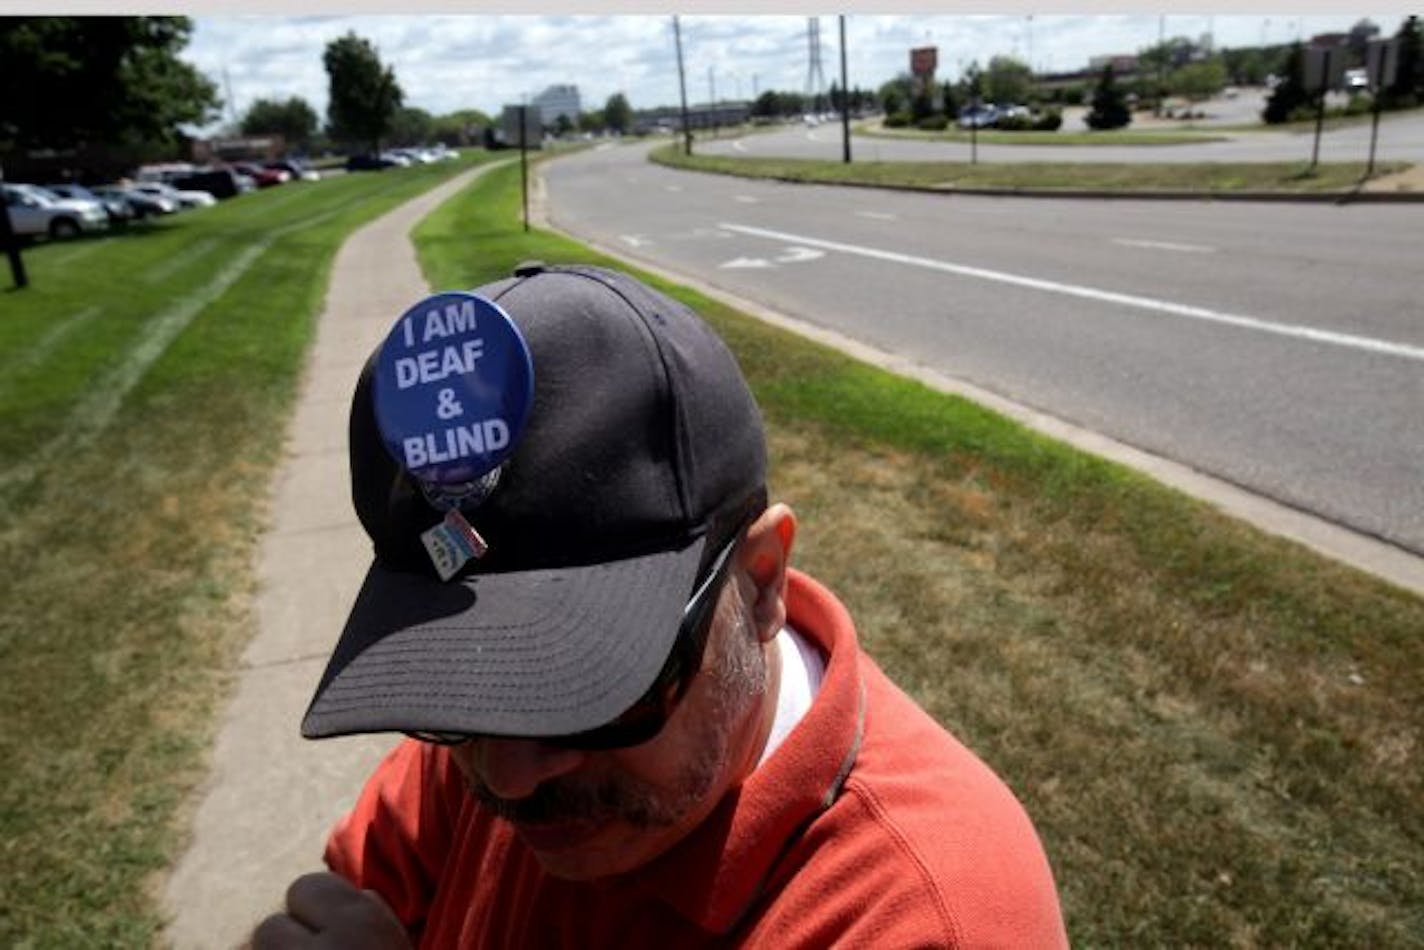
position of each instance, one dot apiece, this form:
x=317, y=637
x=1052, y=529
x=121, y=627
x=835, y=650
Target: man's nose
x=513, y=768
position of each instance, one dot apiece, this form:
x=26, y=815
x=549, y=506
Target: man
x=632, y=723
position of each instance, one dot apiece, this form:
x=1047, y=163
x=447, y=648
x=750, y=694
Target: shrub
x=897, y=120
x=1014, y=123
x=933, y=123
x=1050, y=121
x=1358, y=105
x=1109, y=109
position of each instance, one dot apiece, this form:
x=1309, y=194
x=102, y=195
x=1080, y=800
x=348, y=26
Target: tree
x=895, y=94
x=617, y=114
x=411, y=126
x=1408, y=86
x=951, y=99
x=1198, y=81
x=71, y=81
x=294, y=120
x=1008, y=80
x=461, y=127
x=1109, y=110
x=1289, y=93
x=1360, y=35
x=364, y=94
x=767, y=105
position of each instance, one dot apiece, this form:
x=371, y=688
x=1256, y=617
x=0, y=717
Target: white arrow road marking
x=878, y=215
x=1166, y=246
x=672, y=187
x=795, y=255
x=1104, y=296
x=739, y=146
x=744, y=262
x=632, y=240
x=747, y=199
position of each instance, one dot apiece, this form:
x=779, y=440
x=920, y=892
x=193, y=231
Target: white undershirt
x=802, y=669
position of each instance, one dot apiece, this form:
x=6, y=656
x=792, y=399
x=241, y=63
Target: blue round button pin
x=453, y=385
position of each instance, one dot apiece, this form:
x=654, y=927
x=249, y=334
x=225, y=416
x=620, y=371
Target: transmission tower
x=815, y=77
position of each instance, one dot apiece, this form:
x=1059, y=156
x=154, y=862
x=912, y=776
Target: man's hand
x=325, y=910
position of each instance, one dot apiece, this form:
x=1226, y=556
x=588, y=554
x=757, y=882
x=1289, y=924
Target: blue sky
x=483, y=61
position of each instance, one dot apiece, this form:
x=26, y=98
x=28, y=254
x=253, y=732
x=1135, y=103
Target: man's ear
x=763, y=558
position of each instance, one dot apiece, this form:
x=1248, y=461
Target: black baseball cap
x=642, y=456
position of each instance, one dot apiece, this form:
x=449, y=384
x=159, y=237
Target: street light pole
x=682, y=87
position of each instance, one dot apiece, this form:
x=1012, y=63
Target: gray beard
x=737, y=685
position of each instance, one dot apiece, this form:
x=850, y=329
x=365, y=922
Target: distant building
x=669, y=118
x=556, y=101
x=1121, y=64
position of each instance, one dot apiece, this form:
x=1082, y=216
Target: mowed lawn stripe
x=40, y=350
x=161, y=272
x=100, y=401
x=128, y=557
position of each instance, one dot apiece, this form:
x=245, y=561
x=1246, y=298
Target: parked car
x=183, y=198
x=978, y=117
x=144, y=203
x=369, y=163
x=265, y=177
x=34, y=211
x=298, y=170
x=218, y=182
x=120, y=212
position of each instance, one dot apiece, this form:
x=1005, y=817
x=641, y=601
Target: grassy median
x=1205, y=178
x=1153, y=137
x=1216, y=731
x=145, y=383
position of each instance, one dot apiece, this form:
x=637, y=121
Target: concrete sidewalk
x=271, y=796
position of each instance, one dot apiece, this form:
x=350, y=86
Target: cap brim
x=531, y=653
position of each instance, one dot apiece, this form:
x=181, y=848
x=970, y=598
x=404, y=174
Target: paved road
x=1278, y=347
x=1401, y=138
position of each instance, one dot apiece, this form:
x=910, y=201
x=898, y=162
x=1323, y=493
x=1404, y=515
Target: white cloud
x=448, y=62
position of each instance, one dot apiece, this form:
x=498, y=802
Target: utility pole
x=815, y=77
x=712, y=98
x=845, y=96
x=1161, y=63
x=682, y=87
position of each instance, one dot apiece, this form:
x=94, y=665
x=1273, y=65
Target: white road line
x=672, y=187
x=1368, y=344
x=747, y=199
x=878, y=215
x=737, y=144
x=1166, y=246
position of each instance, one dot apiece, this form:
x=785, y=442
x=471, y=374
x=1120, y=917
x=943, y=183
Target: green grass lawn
x=145, y=383
x=1216, y=731
x=1207, y=178
x=996, y=137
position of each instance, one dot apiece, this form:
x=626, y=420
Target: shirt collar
x=715, y=874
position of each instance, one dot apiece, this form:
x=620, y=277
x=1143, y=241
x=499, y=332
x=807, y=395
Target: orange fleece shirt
x=869, y=827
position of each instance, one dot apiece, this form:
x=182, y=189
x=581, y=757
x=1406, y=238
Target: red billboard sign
x=924, y=60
